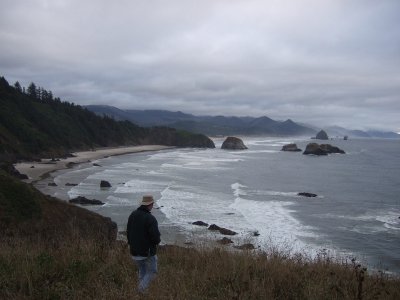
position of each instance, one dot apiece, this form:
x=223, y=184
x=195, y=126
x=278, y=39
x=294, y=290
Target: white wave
x=238, y=189
x=274, y=222
x=273, y=193
x=118, y=201
x=141, y=186
x=183, y=207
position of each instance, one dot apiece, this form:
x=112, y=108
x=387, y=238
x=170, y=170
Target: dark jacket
x=142, y=232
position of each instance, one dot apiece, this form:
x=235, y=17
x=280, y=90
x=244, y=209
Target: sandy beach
x=37, y=170
x=41, y=174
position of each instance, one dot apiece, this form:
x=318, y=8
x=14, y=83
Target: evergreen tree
x=32, y=90
x=18, y=86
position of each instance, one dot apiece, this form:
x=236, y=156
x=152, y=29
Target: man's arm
x=154, y=233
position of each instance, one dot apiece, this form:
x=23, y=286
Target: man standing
x=143, y=238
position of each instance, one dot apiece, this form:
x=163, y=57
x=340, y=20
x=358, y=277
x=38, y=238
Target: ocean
x=253, y=192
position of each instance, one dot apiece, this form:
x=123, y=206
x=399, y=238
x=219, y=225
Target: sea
x=254, y=192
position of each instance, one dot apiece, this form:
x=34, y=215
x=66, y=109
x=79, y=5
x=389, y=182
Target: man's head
x=147, y=201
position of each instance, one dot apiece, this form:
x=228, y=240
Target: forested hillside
x=35, y=124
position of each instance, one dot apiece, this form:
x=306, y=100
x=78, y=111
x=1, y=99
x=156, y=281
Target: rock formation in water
x=322, y=135
x=105, y=184
x=323, y=149
x=290, y=148
x=233, y=143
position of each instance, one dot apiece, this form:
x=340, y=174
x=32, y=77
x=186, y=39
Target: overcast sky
x=323, y=62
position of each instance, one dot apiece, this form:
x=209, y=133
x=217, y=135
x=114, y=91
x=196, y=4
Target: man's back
x=142, y=232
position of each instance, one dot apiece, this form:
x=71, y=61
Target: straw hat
x=147, y=200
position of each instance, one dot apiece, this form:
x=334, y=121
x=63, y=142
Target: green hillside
x=34, y=124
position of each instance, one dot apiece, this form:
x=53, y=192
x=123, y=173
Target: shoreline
x=37, y=171
x=43, y=173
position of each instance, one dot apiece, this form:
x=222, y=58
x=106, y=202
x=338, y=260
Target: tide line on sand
x=37, y=170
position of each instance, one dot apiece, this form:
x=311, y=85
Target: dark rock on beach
x=222, y=230
x=96, y=165
x=214, y=227
x=105, y=184
x=84, y=201
x=200, y=223
x=225, y=241
x=52, y=184
x=71, y=184
x=290, y=148
x=233, y=143
x=305, y=194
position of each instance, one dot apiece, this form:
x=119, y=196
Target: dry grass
x=75, y=268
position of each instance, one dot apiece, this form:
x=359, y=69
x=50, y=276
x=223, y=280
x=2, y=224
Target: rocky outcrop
x=322, y=135
x=290, y=148
x=222, y=230
x=200, y=223
x=104, y=184
x=233, y=143
x=323, y=149
x=85, y=201
x=52, y=184
x=71, y=184
x=305, y=194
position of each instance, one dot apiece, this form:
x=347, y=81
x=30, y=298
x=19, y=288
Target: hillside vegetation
x=50, y=249
x=34, y=124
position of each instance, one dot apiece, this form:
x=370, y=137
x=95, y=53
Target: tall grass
x=76, y=268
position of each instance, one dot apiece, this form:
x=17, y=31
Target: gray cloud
x=322, y=62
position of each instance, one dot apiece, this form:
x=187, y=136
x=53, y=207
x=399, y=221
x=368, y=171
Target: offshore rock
x=290, y=148
x=323, y=149
x=200, y=223
x=322, y=135
x=233, y=143
x=105, y=184
x=305, y=194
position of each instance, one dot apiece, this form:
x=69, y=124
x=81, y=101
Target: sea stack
x=322, y=135
x=233, y=143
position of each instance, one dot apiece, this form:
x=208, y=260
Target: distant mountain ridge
x=209, y=125
x=334, y=131
x=222, y=125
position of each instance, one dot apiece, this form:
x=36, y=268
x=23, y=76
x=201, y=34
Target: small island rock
x=290, y=148
x=233, y=143
x=322, y=135
x=323, y=149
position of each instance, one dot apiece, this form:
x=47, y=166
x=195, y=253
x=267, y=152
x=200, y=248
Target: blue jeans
x=147, y=271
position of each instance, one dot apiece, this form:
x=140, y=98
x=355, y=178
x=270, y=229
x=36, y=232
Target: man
x=143, y=238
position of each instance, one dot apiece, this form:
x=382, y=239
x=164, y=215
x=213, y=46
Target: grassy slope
x=54, y=250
